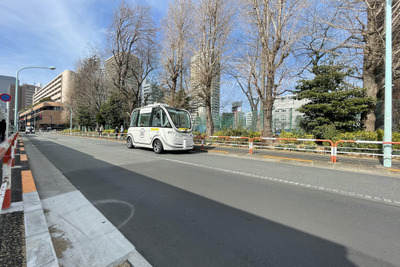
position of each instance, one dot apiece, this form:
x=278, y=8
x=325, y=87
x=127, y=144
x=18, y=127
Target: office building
x=25, y=96
x=197, y=103
x=5, y=82
x=151, y=93
x=134, y=72
x=57, y=89
x=47, y=115
x=285, y=115
x=249, y=119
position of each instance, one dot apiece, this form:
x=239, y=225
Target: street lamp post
x=387, y=148
x=16, y=92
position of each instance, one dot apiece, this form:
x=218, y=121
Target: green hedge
x=238, y=132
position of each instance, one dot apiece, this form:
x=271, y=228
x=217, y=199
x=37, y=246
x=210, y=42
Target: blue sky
x=60, y=32
x=54, y=33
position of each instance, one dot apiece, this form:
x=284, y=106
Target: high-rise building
x=25, y=95
x=134, y=71
x=197, y=103
x=5, y=82
x=150, y=92
x=249, y=119
x=57, y=89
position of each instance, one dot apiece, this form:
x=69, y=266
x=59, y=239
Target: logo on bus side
x=142, y=132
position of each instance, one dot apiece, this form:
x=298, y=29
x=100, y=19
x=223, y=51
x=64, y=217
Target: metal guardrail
x=116, y=136
x=7, y=153
x=333, y=145
x=252, y=143
x=336, y=151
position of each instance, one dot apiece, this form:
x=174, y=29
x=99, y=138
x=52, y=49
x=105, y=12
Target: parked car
x=29, y=130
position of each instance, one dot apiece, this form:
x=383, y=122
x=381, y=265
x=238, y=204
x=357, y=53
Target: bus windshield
x=180, y=118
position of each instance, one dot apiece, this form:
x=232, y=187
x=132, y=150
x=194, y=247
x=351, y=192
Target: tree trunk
x=372, y=90
x=373, y=67
x=267, y=129
x=209, y=119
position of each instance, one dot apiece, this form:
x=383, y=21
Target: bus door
x=159, y=121
x=142, y=131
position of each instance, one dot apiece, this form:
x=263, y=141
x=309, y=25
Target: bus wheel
x=157, y=146
x=129, y=142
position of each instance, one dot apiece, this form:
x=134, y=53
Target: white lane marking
x=281, y=181
x=296, y=184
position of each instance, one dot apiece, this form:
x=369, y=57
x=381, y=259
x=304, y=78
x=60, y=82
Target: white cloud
x=53, y=33
x=46, y=32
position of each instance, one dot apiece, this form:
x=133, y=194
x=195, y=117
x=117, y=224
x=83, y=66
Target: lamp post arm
x=16, y=90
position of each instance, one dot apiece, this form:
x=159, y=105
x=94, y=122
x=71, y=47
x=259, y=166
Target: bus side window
x=144, y=119
x=159, y=118
x=164, y=119
x=134, y=118
x=156, y=118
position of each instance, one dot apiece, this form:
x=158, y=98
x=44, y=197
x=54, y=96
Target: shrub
x=297, y=135
x=238, y=132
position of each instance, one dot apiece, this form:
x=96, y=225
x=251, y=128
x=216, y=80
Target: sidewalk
x=64, y=229
x=25, y=238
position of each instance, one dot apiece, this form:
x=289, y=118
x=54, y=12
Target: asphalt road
x=200, y=209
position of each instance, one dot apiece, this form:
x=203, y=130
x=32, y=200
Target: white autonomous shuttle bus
x=160, y=127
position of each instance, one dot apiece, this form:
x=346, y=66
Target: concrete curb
x=39, y=247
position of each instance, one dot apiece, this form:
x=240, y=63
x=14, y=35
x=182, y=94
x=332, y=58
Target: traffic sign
x=5, y=97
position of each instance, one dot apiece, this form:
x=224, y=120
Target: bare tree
x=90, y=88
x=243, y=69
x=132, y=36
x=275, y=28
x=321, y=40
x=364, y=21
x=175, y=56
x=213, y=23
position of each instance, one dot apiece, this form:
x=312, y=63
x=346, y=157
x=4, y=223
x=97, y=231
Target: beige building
x=46, y=115
x=58, y=88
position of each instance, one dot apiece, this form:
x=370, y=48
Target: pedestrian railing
x=110, y=136
x=234, y=141
x=324, y=146
x=7, y=153
x=298, y=144
x=376, y=150
x=309, y=145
